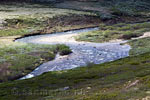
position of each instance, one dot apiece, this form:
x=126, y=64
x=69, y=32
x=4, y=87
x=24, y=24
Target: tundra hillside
x=124, y=79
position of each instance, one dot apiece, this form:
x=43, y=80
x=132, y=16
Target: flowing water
x=83, y=52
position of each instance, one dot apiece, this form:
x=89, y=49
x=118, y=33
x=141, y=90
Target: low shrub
x=65, y=51
x=106, y=16
x=62, y=49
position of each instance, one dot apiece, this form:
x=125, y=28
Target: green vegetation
x=63, y=49
x=47, y=19
x=17, y=60
x=114, y=10
x=30, y=22
x=124, y=79
x=13, y=32
x=26, y=25
x=21, y=26
x=109, y=81
x=140, y=46
x=130, y=7
x=116, y=31
x=42, y=19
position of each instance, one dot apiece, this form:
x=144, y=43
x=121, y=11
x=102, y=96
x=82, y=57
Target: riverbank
x=19, y=59
x=83, y=52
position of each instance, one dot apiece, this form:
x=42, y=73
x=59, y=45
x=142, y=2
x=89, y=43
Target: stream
x=84, y=53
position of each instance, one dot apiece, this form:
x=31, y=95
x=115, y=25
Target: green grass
x=139, y=46
x=116, y=31
x=21, y=26
x=13, y=32
x=106, y=81
x=17, y=60
x=23, y=21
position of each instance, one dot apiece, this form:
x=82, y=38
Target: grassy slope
x=118, y=10
x=109, y=81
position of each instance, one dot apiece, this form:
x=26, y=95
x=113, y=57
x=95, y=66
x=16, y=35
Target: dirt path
x=83, y=52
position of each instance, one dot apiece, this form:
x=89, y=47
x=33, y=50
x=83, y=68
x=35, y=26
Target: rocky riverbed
x=83, y=52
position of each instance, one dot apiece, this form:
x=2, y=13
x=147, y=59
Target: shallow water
x=83, y=52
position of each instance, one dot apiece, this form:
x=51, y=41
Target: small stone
x=88, y=88
x=136, y=89
x=148, y=92
x=66, y=88
x=42, y=59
